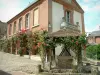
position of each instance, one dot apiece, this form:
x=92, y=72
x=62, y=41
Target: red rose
x=39, y=44
x=42, y=29
x=19, y=33
x=45, y=44
x=34, y=47
x=76, y=42
x=84, y=46
x=72, y=40
x=23, y=30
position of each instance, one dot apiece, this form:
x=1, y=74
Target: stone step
x=46, y=73
x=61, y=71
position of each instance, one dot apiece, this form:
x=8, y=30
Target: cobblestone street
x=15, y=64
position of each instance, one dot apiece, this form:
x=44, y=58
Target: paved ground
x=10, y=63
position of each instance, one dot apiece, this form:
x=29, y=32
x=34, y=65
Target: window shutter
x=36, y=17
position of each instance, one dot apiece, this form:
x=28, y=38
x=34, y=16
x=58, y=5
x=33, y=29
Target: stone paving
x=11, y=63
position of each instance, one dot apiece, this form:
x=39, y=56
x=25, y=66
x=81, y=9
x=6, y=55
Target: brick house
x=94, y=37
x=43, y=13
x=50, y=15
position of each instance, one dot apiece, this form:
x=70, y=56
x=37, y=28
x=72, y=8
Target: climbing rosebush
x=41, y=43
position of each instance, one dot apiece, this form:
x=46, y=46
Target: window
x=27, y=21
x=68, y=1
x=68, y=17
x=14, y=27
x=36, y=17
x=10, y=29
x=20, y=24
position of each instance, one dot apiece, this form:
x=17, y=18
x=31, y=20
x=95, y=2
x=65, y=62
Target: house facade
x=94, y=37
x=51, y=15
x=47, y=14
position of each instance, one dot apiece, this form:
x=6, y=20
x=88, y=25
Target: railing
x=76, y=27
x=70, y=26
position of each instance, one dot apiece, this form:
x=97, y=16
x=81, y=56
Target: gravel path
x=10, y=63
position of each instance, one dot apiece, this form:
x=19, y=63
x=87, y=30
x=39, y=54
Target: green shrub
x=93, y=51
x=98, y=52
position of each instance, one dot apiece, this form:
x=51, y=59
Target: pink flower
x=76, y=42
x=23, y=30
x=42, y=29
x=44, y=44
x=39, y=44
x=84, y=46
x=72, y=40
x=34, y=47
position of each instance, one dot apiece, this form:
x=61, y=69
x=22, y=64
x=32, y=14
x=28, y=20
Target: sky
x=91, y=15
x=10, y=8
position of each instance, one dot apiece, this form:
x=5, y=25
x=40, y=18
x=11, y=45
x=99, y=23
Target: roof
x=31, y=4
x=95, y=33
x=65, y=32
x=78, y=5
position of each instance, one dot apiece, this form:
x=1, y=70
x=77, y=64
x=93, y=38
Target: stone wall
x=65, y=62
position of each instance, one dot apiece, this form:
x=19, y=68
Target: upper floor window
x=36, y=17
x=14, y=27
x=20, y=23
x=10, y=29
x=67, y=16
x=27, y=21
x=68, y=1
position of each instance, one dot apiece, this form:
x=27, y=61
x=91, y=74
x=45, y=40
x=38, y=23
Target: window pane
x=10, y=29
x=36, y=17
x=20, y=23
x=14, y=28
x=68, y=1
x=27, y=21
x=68, y=17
